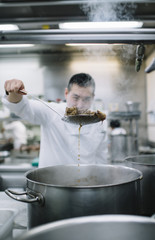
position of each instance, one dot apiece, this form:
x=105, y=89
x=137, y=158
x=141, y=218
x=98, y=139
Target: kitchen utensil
x=43, y=102
x=82, y=119
x=67, y=191
x=107, y=227
x=132, y=106
x=151, y=67
x=118, y=147
x=146, y=164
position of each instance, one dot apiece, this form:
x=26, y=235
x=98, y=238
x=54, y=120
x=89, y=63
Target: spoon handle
x=43, y=102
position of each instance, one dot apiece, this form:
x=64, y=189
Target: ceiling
x=38, y=22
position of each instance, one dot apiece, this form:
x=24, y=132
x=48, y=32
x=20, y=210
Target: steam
x=98, y=11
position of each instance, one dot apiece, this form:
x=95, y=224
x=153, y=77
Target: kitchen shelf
x=125, y=115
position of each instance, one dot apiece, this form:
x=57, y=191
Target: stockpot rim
x=130, y=159
x=86, y=187
x=106, y=218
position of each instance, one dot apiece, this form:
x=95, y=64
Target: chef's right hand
x=12, y=89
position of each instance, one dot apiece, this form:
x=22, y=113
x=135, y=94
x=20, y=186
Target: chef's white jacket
x=59, y=139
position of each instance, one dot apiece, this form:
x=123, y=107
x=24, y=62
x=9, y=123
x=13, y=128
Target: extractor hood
x=32, y=17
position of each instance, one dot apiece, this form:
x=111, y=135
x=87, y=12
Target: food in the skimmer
x=74, y=111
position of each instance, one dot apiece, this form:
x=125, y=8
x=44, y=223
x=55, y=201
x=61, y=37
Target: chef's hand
x=12, y=89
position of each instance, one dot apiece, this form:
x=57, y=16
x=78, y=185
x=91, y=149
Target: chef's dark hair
x=82, y=80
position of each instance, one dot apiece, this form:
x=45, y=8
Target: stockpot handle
x=34, y=197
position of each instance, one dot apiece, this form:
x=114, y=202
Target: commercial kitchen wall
x=48, y=74
x=150, y=83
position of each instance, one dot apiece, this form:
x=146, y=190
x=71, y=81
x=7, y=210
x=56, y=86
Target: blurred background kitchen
x=34, y=50
x=44, y=43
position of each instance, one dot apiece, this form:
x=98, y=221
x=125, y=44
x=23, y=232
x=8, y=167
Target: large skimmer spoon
x=82, y=119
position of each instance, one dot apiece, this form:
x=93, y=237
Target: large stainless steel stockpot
x=107, y=227
x=61, y=192
x=146, y=164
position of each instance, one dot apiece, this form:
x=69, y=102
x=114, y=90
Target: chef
x=17, y=131
x=59, y=140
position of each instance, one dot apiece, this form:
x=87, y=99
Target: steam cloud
x=98, y=11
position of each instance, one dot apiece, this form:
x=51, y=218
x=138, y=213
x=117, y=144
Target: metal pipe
x=69, y=2
x=151, y=67
x=48, y=3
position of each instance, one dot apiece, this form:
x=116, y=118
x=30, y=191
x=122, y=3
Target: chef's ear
x=66, y=92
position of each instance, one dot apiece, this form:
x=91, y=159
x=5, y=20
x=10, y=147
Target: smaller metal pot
x=145, y=164
x=96, y=227
x=132, y=106
x=118, y=147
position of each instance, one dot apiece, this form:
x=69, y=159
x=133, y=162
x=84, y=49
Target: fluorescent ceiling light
x=16, y=45
x=91, y=44
x=11, y=27
x=100, y=25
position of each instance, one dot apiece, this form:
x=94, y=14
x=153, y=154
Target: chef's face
x=80, y=97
